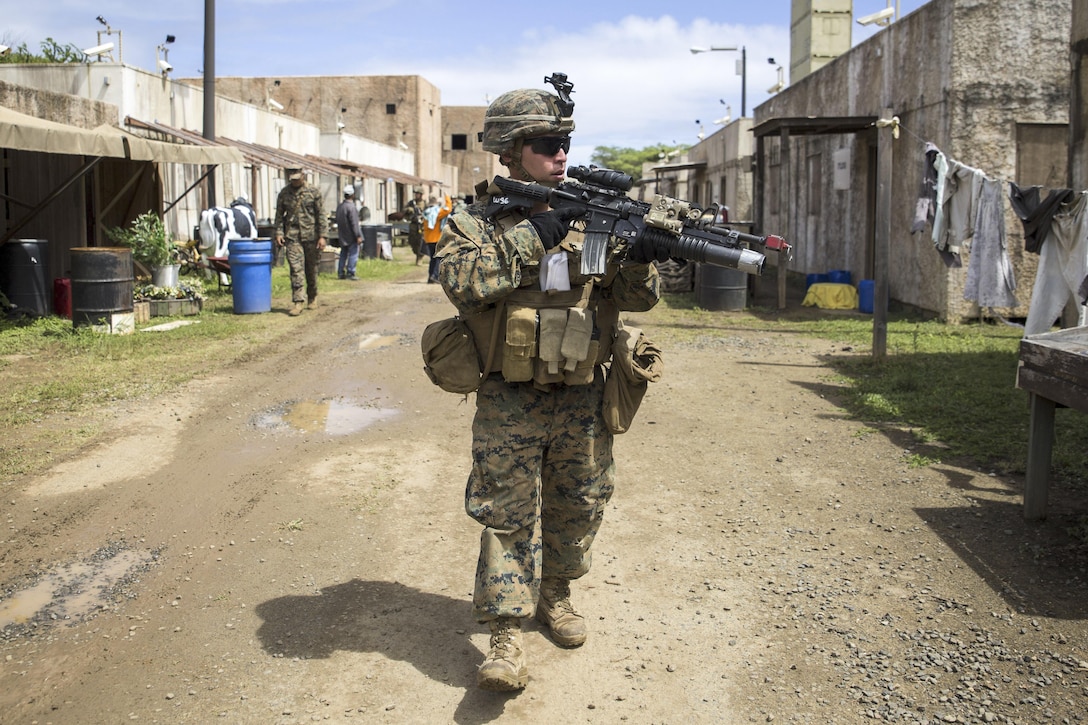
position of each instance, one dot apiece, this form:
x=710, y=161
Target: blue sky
x=636, y=82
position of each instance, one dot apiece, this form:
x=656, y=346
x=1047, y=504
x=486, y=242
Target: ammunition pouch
x=546, y=337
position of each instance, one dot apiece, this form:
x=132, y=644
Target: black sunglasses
x=549, y=145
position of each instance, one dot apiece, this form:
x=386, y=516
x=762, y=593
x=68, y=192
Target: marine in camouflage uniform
x=413, y=214
x=301, y=226
x=542, y=469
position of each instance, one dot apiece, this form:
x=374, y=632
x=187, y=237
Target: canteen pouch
x=636, y=362
x=449, y=356
x=519, y=348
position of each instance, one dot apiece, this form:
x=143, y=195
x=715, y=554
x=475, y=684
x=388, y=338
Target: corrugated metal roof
x=282, y=158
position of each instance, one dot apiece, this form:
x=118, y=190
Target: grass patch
x=47, y=366
x=951, y=385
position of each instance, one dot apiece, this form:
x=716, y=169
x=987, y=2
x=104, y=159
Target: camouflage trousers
x=302, y=259
x=542, y=475
x=415, y=239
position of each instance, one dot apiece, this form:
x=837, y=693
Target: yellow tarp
x=831, y=296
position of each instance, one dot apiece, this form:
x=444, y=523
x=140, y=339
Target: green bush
x=146, y=236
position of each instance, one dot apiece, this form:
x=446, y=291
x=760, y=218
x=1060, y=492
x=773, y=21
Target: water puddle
x=373, y=341
x=73, y=591
x=333, y=417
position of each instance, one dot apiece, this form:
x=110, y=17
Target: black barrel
x=373, y=236
x=721, y=288
x=24, y=274
x=101, y=284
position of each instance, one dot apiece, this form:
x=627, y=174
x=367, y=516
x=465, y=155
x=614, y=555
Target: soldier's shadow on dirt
x=387, y=618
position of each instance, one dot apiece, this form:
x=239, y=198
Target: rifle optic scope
x=601, y=177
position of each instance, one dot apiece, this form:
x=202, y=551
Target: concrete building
x=400, y=111
x=809, y=155
x=260, y=141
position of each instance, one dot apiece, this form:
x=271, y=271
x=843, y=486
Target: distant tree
x=51, y=52
x=629, y=160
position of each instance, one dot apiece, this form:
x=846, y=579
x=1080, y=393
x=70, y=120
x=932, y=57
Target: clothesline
x=965, y=210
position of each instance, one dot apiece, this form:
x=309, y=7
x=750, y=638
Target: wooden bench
x=1054, y=371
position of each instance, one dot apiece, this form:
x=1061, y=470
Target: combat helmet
x=520, y=114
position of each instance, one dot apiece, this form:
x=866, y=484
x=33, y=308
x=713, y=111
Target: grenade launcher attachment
x=612, y=221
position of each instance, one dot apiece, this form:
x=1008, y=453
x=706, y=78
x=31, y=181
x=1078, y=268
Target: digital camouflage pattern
x=481, y=265
x=520, y=114
x=541, y=477
x=542, y=468
x=300, y=213
x=302, y=260
x=300, y=217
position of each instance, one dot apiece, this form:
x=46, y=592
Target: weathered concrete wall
x=958, y=73
x=58, y=107
x=392, y=110
x=473, y=163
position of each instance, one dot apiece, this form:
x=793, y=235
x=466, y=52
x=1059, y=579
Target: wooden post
x=1040, y=447
x=783, y=209
x=883, y=234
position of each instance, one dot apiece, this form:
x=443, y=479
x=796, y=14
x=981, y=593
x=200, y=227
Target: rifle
x=687, y=231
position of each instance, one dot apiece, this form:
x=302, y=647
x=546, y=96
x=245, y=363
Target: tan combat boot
x=311, y=305
x=296, y=310
x=504, y=667
x=567, y=627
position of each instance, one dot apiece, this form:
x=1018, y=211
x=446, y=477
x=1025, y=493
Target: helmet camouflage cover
x=520, y=114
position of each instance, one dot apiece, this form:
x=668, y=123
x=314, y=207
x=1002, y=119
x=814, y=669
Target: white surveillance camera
x=164, y=66
x=274, y=104
x=340, y=125
x=99, y=49
x=878, y=18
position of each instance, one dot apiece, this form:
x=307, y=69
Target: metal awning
x=280, y=158
x=29, y=133
x=815, y=125
x=376, y=172
x=680, y=167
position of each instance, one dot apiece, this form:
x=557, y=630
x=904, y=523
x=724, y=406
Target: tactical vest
x=546, y=336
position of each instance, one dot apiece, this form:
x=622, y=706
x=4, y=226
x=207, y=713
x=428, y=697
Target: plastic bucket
x=811, y=279
x=250, y=274
x=839, y=276
x=721, y=288
x=101, y=285
x=865, y=296
x=24, y=274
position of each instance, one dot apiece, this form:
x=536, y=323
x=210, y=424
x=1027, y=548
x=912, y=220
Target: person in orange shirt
x=434, y=218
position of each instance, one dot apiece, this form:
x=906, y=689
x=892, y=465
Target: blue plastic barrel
x=839, y=276
x=865, y=296
x=250, y=274
x=811, y=279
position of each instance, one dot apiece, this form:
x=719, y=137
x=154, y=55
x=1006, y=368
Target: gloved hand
x=551, y=226
x=647, y=248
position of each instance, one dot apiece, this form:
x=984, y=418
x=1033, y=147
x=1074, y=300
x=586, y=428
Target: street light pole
x=743, y=71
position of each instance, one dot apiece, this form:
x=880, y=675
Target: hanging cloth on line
x=1034, y=214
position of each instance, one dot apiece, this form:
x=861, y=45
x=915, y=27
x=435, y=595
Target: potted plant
x=146, y=236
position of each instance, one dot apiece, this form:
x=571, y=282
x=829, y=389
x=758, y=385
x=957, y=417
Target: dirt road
x=285, y=542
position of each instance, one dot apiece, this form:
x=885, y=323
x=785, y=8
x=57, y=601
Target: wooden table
x=1054, y=371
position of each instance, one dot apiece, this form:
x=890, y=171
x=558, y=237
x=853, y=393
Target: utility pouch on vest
x=582, y=373
x=636, y=362
x=449, y=356
x=579, y=349
x=519, y=349
x=552, y=324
